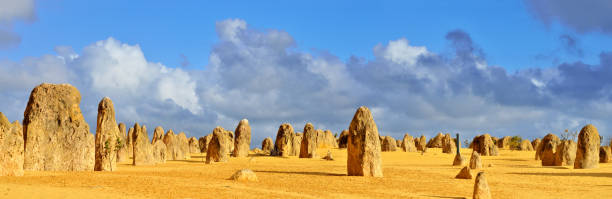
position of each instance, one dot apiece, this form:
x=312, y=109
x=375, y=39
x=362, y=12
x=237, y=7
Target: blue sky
x=506, y=30
x=502, y=67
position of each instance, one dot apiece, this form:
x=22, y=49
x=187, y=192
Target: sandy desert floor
x=514, y=174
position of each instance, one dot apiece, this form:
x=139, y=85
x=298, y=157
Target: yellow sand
x=407, y=175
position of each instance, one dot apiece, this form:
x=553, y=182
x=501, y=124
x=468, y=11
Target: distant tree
x=568, y=135
x=466, y=142
x=108, y=151
x=515, y=142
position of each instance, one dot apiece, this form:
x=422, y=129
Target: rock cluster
x=230, y=139
x=284, y=141
x=160, y=151
x=244, y=175
x=267, y=146
x=547, y=149
x=565, y=153
x=436, y=142
x=481, y=187
x=183, y=143
x=158, y=134
x=129, y=144
x=408, y=143
x=218, y=148
x=297, y=143
x=504, y=143
x=363, y=146
x=459, y=160
x=329, y=156
x=108, y=141
x=525, y=145
x=388, y=144
x=475, y=161
x=122, y=153
x=605, y=155
x=194, y=145
x=421, y=143
x=483, y=144
x=56, y=136
x=326, y=139
x=343, y=139
x=536, y=143
x=11, y=147
x=175, y=149
x=242, y=141
x=448, y=144
x=587, y=149
x=143, y=151
x=464, y=173
x=204, y=143
x=308, y=148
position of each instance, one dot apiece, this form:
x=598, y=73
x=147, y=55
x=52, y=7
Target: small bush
x=515, y=142
x=568, y=135
x=108, y=151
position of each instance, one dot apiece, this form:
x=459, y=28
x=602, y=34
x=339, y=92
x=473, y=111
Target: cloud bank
x=12, y=11
x=262, y=75
x=582, y=16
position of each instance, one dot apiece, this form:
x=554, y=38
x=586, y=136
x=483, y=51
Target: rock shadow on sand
x=188, y=161
x=302, y=173
x=536, y=167
x=605, y=175
x=514, y=160
x=266, y=155
x=448, y=197
x=198, y=156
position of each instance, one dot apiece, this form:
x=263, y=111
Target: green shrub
x=515, y=142
x=108, y=151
